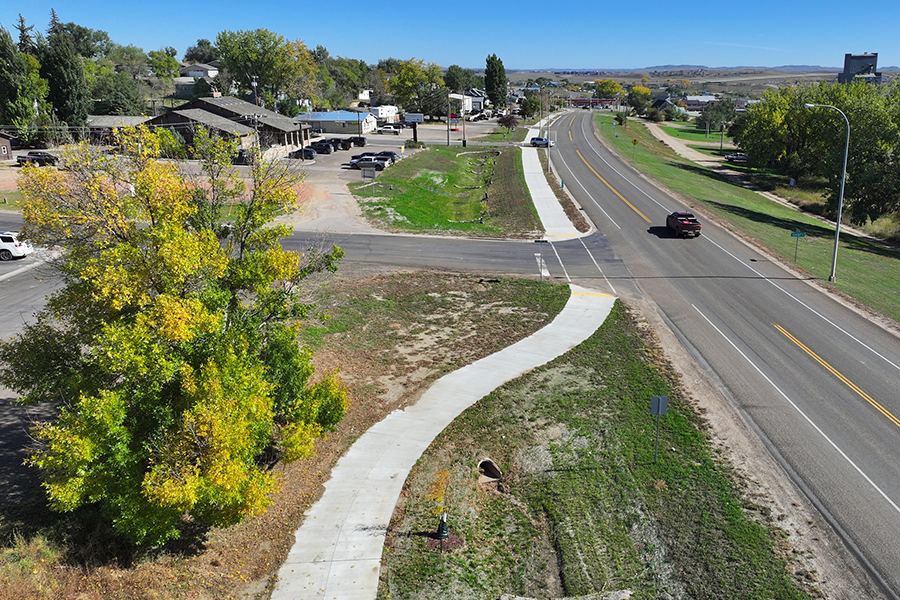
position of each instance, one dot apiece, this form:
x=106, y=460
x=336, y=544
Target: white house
x=385, y=113
x=199, y=70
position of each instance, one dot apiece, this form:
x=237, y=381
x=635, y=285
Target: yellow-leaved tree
x=171, y=349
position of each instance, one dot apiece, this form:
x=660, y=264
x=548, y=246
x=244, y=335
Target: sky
x=525, y=35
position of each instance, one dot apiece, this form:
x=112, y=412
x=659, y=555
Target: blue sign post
x=797, y=235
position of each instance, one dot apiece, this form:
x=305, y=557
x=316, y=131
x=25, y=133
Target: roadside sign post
x=368, y=174
x=633, y=146
x=658, y=405
x=797, y=235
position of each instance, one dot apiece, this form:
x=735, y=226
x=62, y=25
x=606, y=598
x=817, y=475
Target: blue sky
x=524, y=34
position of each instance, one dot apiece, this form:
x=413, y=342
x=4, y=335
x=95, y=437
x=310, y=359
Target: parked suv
x=357, y=140
x=323, y=148
x=11, y=247
x=539, y=142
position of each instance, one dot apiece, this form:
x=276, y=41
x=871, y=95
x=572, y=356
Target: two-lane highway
x=816, y=379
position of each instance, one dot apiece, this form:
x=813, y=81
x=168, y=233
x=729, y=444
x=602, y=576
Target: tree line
x=53, y=81
x=780, y=133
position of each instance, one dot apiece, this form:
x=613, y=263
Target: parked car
x=11, y=247
x=357, y=140
x=306, y=153
x=539, y=142
x=389, y=129
x=367, y=162
x=40, y=159
x=323, y=147
x=737, y=157
x=390, y=155
x=363, y=155
x=684, y=224
x=339, y=143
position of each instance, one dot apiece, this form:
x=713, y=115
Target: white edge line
x=802, y=414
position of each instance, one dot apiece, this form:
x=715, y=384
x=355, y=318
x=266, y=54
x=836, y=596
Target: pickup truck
x=389, y=129
x=684, y=224
x=40, y=159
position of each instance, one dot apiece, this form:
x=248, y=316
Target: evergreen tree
x=495, y=81
x=62, y=68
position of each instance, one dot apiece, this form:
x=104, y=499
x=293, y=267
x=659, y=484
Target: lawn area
x=866, y=271
x=583, y=507
x=690, y=133
x=500, y=135
x=479, y=191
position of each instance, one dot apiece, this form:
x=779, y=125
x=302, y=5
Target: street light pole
x=837, y=225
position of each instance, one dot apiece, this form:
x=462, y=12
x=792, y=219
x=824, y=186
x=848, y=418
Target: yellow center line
x=837, y=374
x=572, y=122
x=612, y=188
x=570, y=135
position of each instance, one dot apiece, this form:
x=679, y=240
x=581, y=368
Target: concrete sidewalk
x=337, y=553
x=557, y=226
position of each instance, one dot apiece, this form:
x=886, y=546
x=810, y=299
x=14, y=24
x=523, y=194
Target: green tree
x=418, y=87
x=119, y=94
x=717, y=114
x=495, y=81
x=27, y=44
x=164, y=65
x=458, y=79
x=131, y=59
x=780, y=133
x=203, y=53
x=638, y=98
x=171, y=348
x=531, y=106
x=258, y=56
x=62, y=68
x=12, y=73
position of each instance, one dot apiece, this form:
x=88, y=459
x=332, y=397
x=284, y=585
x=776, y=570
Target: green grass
x=866, y=271
x=581, y=494
x=501, y=135
x=478, y=191
x=691, y=134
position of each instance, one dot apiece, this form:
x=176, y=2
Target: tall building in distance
x=860, y=66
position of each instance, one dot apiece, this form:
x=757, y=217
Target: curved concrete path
x=337, y=553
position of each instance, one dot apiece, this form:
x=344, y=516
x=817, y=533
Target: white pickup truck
x=389, y=129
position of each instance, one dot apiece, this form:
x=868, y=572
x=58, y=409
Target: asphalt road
x=811, y=376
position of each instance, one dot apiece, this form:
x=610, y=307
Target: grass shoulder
x=478, y=191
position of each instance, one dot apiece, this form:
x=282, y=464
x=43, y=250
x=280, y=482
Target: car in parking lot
x=540, y=142
x=367, y=162
x=306, y=153
x=390, y=155
x=363, y=155
x=357, y=140
x=323, y=147
x=11, y=247
x=340, y=143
